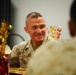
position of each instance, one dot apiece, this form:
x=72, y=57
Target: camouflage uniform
x=22, y=52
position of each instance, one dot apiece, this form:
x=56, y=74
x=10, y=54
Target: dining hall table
x=17, y=71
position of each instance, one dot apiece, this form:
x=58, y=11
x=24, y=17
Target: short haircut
x=34, y=15
x=73, y=11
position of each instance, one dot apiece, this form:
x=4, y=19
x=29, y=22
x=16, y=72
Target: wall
x=55, y=12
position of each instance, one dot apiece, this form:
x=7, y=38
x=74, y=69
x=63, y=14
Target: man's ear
x=26, y=29
x=71, y=28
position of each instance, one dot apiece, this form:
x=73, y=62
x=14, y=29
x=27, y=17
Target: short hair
x=34, y=15
x=73, y=11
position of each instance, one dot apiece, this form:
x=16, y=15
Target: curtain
x=5, y=6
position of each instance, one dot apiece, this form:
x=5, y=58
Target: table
x=16, y=71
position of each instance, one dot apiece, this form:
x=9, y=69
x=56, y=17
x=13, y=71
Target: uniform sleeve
x=14, y=58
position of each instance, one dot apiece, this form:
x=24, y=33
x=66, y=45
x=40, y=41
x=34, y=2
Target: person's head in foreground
x=72, y=22
x=56, y=58
x=36, y=28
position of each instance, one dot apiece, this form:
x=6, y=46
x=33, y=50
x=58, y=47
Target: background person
x=36, y=28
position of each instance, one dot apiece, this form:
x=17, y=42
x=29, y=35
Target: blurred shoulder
x=55, y=52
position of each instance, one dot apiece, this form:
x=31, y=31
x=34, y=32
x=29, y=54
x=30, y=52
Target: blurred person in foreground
x=36, y=28
x=56, y=58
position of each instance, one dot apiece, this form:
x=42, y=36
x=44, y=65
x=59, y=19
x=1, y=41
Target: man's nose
x=38, y=30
